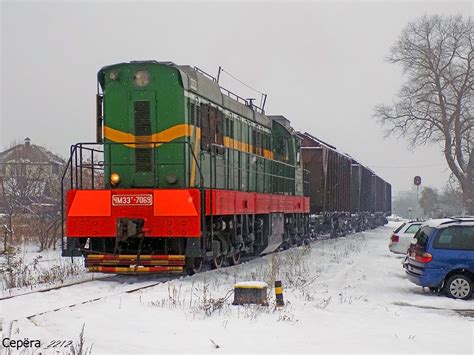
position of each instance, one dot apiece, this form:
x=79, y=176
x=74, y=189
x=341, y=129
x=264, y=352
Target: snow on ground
x=343, y=295
x=395, y=218
x=33, y=270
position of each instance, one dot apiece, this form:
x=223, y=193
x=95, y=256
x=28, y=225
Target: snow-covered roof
x=31, y=153
x=446, y=222
x=321, y=143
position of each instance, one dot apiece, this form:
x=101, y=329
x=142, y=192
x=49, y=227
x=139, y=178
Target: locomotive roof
x=206, y=86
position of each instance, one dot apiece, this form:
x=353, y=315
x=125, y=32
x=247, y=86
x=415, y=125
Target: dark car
x=443, y=257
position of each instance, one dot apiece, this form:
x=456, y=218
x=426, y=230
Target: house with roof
x=29, y=177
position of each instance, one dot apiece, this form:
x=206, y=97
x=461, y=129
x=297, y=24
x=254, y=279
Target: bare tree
x=31, y=190
x=11, y=210
x=435, y=104
x=429, y=201
x=19, y=186
x=49, y=214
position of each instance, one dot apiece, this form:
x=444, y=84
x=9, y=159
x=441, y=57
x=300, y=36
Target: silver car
x=402, y=236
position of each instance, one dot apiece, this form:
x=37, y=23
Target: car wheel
x=459, y=286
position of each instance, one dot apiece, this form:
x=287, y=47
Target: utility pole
x=417, y=182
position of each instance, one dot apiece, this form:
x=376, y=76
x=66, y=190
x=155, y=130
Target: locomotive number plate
x=132, y=200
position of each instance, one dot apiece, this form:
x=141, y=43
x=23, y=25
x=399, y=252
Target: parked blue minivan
x=443, y=257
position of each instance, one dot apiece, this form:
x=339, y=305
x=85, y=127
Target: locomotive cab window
x=281, y=149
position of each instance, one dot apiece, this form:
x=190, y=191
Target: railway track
x=57, y=287
x=96, y=299
x=42, y=302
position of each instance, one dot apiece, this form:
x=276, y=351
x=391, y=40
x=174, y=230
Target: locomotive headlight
x=113, y=75
x=114, y=178
x=141, y=78
x=171, y=178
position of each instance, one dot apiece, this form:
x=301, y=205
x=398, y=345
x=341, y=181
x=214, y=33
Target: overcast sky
x=321, y=63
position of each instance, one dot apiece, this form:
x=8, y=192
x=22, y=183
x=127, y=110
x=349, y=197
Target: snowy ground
x=31, y=271
x=344, y=295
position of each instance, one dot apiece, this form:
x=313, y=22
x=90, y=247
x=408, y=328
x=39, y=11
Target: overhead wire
x=240, y=81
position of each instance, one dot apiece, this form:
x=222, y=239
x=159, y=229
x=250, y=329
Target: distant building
x=29, y=177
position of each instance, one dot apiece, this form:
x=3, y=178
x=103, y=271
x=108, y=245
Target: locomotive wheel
x=234, y=259
x=193, y=266
x=217, y=262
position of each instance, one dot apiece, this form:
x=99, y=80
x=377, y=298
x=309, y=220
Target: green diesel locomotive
x=183, y=173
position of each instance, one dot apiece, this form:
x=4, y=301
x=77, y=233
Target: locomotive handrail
x=75, y=165
x=69, y=163
x=230, y=93
x=155, y=144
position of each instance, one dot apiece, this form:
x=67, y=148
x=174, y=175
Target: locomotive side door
x=142, y=118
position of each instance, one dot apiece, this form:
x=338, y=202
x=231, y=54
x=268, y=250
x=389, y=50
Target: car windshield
x=422, y=235
x=413, y=229
x=399, y=228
